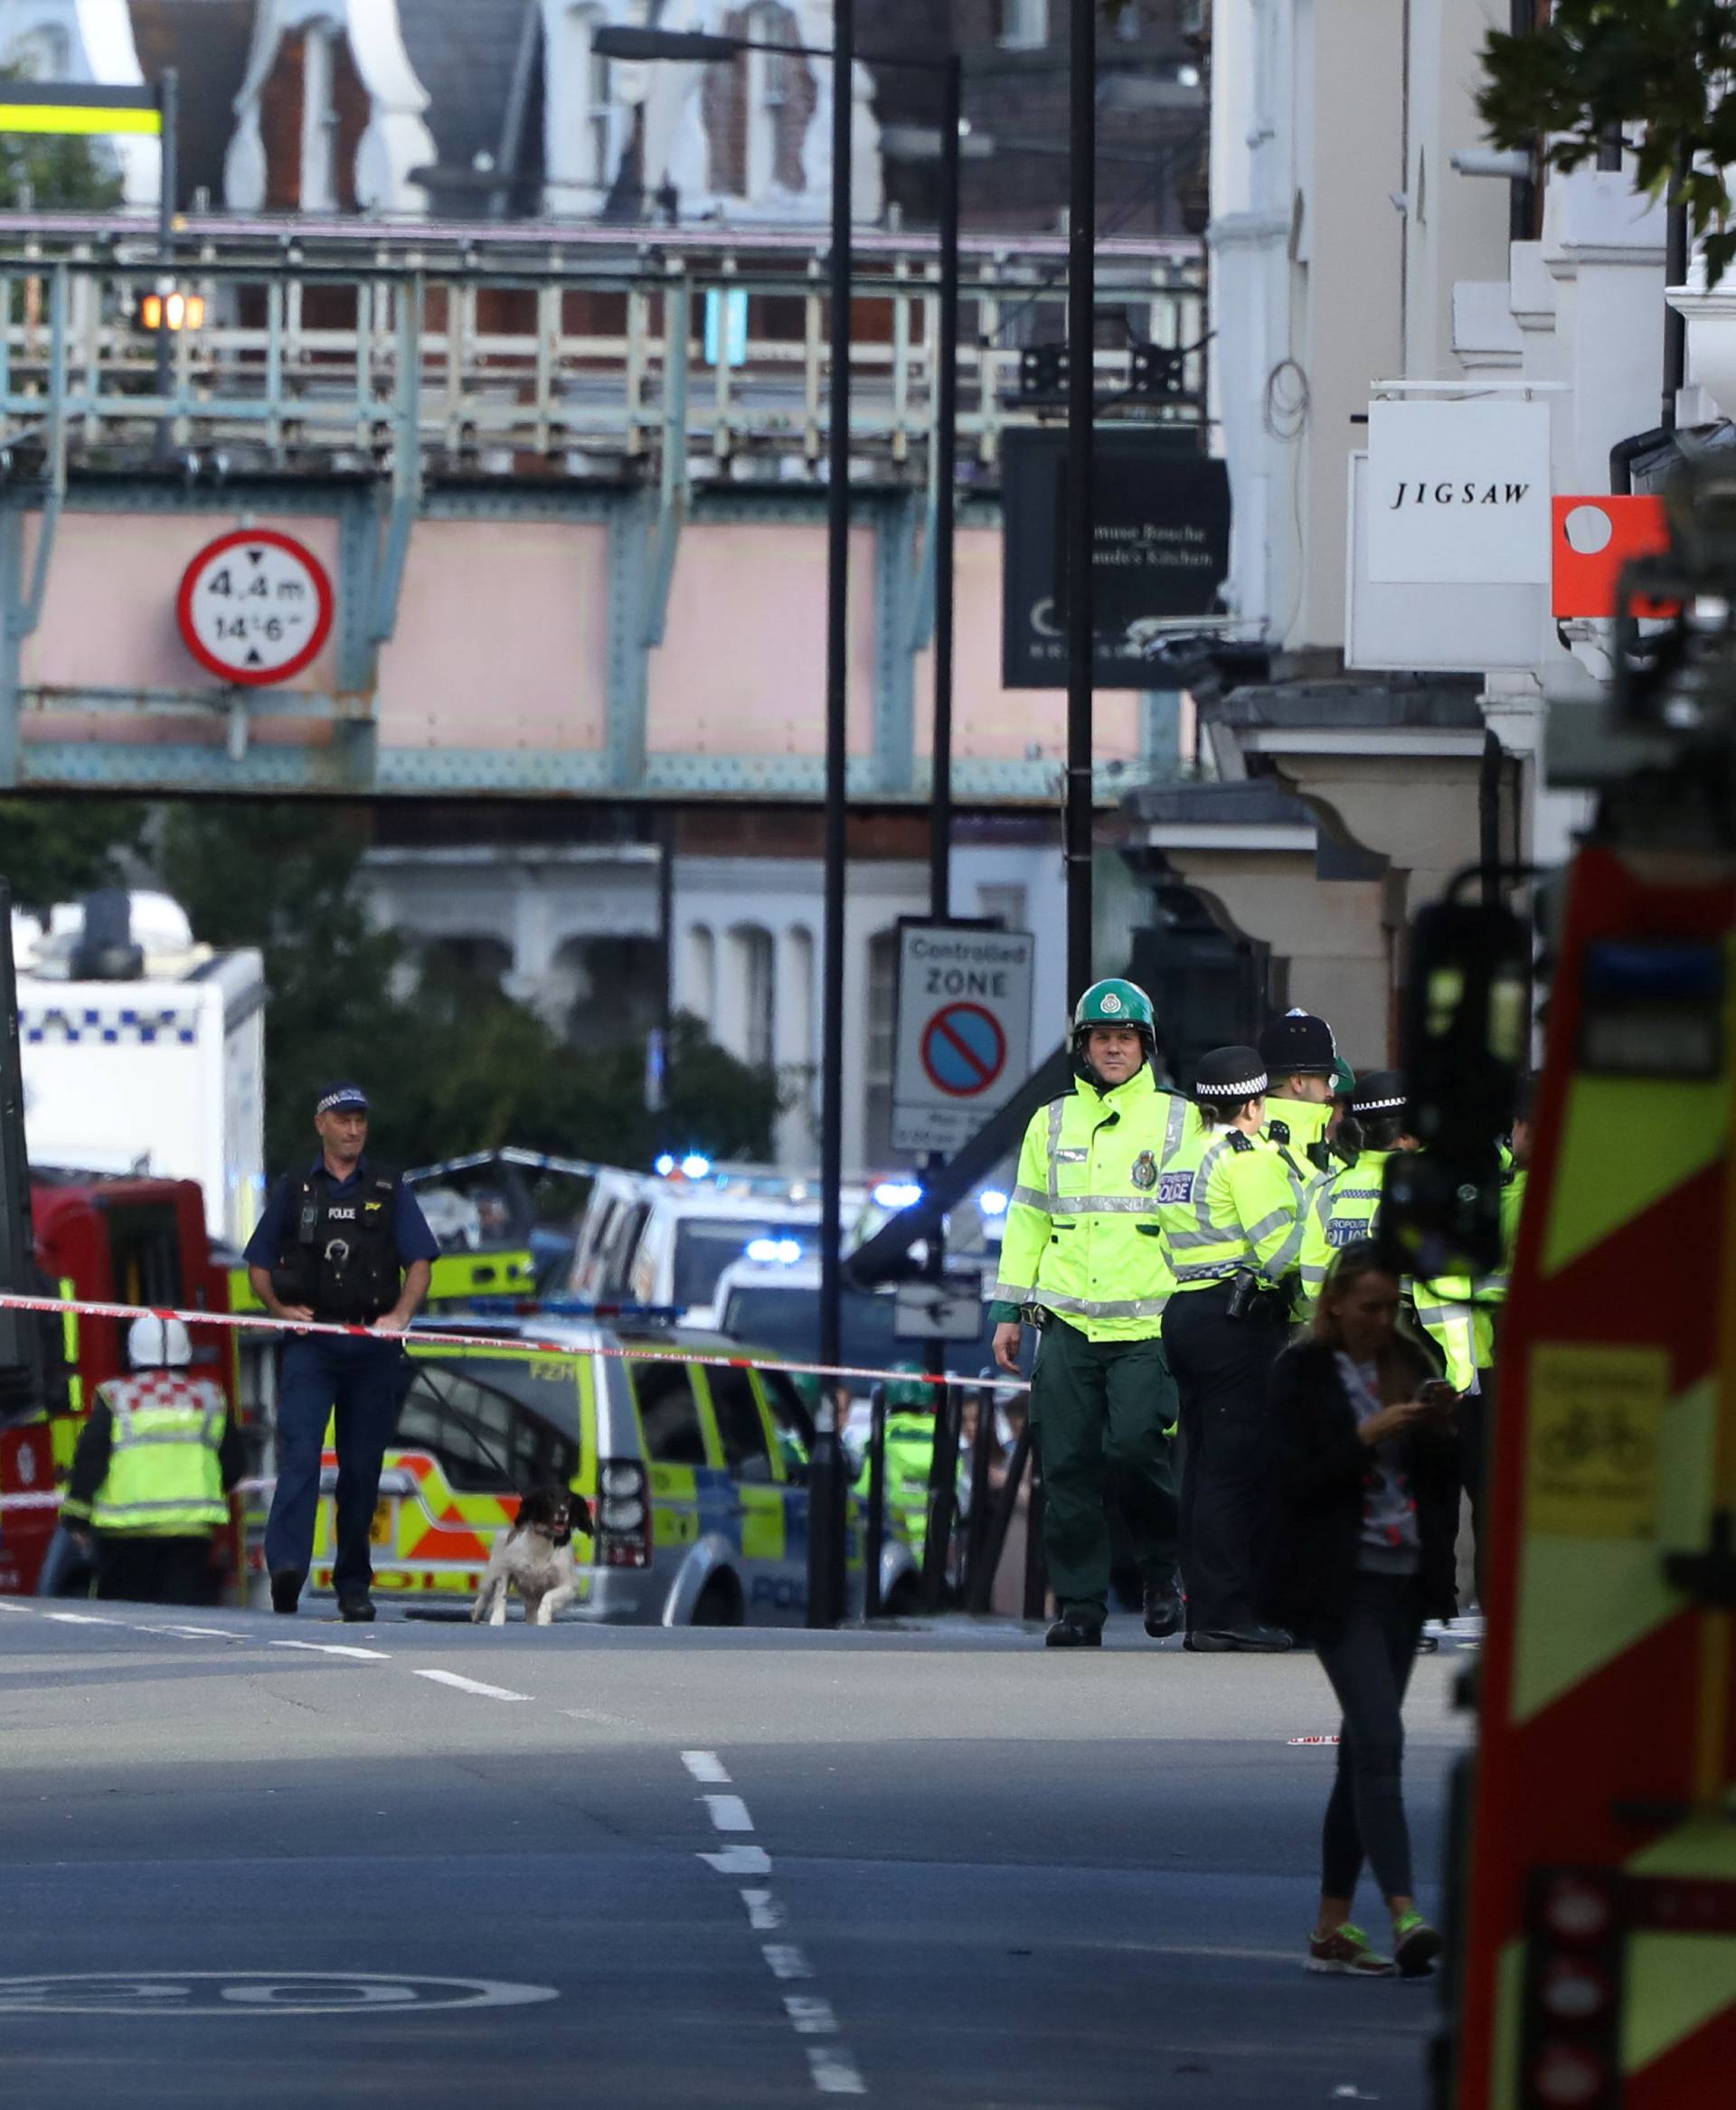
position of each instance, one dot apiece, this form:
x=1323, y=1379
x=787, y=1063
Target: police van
x=694, y=1467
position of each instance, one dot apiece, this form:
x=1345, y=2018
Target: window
x=699, y=992
x=481, y=1426
x=789, y=1417
x=706, y=1245
x=758, y=107
x=752, y=997
x=318, y=121
x=738, y=1426
x=599, y=117
x=1023, y=26
x=669, y=1413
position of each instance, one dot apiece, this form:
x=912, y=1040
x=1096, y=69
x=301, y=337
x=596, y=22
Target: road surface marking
x=811, y=2014
x=739, y=1860
x=835, y=2073
x=82, y=1619
x=340, y=1648
x=706, y=1765
x=135, y=1994
x=764, y=1911
x=728, y=1813
x=6, y=1604
x=194, y=1633
x=474, y=1685
x=787, y=1960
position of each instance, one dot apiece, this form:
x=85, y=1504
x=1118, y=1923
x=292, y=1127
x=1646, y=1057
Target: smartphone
x=1439, y=1394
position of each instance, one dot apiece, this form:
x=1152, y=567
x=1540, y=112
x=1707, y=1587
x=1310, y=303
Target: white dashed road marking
x=339, y=1648
x=194, y=1633
x=470, y=1685
x=6, y=1604
x=764, y=1911
x=728, y=1813
x=706, y=1765
x=787, y=1960
x=739, y=1860
x=834, y=2072
x=812, y=2015
x=82, y=1619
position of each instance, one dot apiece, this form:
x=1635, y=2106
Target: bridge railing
x=559, y=351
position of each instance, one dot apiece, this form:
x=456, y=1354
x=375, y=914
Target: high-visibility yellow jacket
x=1296, y=1130
x=1458, y=1314
x=1340, y=1210
x=1229, y=1205
x=164, y=1474
x=1082, y=1236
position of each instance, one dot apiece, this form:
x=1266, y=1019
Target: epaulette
x=1238, y=1139
x=1278, y=1131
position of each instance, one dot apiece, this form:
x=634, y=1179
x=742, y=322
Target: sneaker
x=286, y=1590
x=1415, y=1945
x=1344, y=1953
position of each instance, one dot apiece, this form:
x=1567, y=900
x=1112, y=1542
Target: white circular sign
x=255, y=607
x=254, y=1993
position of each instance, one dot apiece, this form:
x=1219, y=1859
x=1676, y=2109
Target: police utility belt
x=1257, y=1301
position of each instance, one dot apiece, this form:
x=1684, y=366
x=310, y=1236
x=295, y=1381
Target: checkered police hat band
x=1249, y=1088
x=347, y=1097
x=1377, y=1105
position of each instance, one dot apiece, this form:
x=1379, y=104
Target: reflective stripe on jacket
x=164, y=1476
x=1229, y=1206
x=1341, y=1209
x=1082, y=1236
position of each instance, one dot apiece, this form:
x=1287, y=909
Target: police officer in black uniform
x=343, y=1242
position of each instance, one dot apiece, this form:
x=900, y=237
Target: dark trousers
x=1222, y=1366
x=1369, y=1661
x=1101, y=1409
x=144, y=1569
x=360, y=1382
x=1475, y=1422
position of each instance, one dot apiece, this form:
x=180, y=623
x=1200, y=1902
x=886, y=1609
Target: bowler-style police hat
x=1380, y=1093
x=1298, y=1044
x=342, y=1098
x=1230, y=1075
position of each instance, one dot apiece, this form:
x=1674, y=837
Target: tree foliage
x=452, y=1066
x=55, y=849
x=1599, y=64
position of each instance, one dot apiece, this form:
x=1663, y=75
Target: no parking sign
x=964, y=1030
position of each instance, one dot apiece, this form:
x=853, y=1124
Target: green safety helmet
x=1115, y=1001
x=905, y=1388
x=1344, y=1079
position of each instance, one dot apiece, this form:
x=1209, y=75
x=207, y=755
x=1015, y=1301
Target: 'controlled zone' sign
x=964, y=1030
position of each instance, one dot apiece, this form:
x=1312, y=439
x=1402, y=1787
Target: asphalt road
x=294, y=1864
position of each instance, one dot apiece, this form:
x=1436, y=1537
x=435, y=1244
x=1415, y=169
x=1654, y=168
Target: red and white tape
x=527, y=1344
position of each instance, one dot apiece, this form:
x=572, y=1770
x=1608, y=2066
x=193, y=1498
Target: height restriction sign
x=255, y=607
x=964, y=1030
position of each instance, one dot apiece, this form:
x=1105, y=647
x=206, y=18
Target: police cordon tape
x=526, y=1344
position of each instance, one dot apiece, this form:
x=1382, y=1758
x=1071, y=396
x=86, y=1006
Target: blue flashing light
x=694, y=1167
x=664, y=1165
x=898, y=1193
x=992, y=1202
x=774, y=1252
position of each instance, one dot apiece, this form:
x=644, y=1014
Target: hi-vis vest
x=1296, y=1130
x=164, y=1476
x=1459, y=1315
x=1082, y=1236
x=1341, y=1209
x=1229, y=1206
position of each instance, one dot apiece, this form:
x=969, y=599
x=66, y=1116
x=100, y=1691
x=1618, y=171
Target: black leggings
x=1369, y=1661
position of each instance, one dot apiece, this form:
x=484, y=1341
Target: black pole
x=983, y=1571
x=1676, y=272
x=1036, y=1568
x=1489, y=815
x=946, y=459
x=825, y=1531
x=666, y=946
x=168, y=103
x=943, y=1491
x=1081, y=305
x=876, y=1524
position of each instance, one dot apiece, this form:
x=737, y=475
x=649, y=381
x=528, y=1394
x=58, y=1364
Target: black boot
x=1074, y=1630
x=355, y=1607
x=286, y=1590
x=1162, y=1609
x=1250, y=1640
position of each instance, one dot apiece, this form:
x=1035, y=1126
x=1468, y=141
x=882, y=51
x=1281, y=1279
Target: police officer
x=1082, y=1254
x=1300, y=1059
x=152, y=1472
x=909, y=1456
x=343, y=1242
x=1231, y=1223
x=1342, y=1208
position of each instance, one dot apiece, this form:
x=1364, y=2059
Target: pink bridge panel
x=742, y=667
x=108, y=616
x=502, y=639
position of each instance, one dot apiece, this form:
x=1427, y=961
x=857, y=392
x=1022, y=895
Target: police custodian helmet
x=1298, y=1044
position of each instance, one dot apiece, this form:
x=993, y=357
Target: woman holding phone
x=1367, y=1478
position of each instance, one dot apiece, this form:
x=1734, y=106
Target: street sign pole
x=1081, y=410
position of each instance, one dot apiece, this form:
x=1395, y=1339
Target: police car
x=695, y=1469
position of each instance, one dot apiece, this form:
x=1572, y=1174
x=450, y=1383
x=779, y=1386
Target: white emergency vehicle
x=143, y=1052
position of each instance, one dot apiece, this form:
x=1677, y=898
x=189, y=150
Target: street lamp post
x=1081, y=412
x=826, y=1534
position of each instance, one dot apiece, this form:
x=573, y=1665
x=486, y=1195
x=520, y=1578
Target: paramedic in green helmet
x=1083, y=1259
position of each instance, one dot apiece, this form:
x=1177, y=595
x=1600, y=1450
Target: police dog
x=536, y=1554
